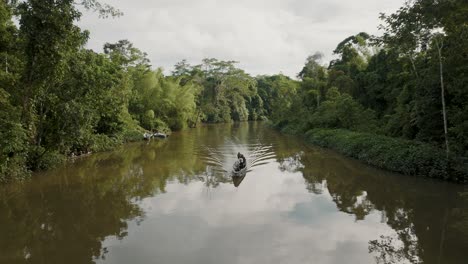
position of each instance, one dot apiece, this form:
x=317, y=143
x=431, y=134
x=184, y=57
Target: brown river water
x=174, y=201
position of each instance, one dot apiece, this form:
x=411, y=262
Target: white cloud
x=266, y=36
x=270, y=218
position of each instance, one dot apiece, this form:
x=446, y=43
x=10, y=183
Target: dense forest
x=398, y=101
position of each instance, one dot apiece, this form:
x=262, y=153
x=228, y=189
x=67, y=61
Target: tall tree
x=422, y=26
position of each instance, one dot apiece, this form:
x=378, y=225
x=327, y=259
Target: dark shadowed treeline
x=58, y=98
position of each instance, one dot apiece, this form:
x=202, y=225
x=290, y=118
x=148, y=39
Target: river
x=174, y=201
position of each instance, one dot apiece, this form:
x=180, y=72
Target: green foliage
x=59, y=99
x=403, y=156
x=430, y=40
x=159, y=102
x=104, y=10
x=40, y=158
x=13, y=144
x=228, y=94
x=132, y=135
x=56, y=97
x=342, y=111
x=389, y=87
x=126, y=55
x=13, y=137
x=312, y=68
x=278, y=92
x=100, y=142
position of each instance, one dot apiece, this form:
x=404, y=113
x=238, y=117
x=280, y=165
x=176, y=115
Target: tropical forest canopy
x=58, y=98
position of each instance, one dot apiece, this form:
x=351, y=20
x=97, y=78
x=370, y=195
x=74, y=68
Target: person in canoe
x=240, y=163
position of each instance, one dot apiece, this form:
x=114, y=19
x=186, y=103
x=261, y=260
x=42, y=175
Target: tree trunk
x=444, y=112
x=318, y=98
x=195, y=122
x=413, y=65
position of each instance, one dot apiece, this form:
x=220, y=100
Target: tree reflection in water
x=73, y=209
x=65, y=216
x=415, y=208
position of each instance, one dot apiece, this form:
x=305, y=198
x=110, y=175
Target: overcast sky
x=265, y=36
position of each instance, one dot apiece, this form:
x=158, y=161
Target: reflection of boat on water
x=237, y=180
x=238, y=176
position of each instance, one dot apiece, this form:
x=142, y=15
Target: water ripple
x=222, y=158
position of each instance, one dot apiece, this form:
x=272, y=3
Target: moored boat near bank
x=148, y=136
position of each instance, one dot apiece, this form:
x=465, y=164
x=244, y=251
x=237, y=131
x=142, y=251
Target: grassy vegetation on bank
x=393, y=154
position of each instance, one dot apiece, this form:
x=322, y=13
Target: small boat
x=240, y=172
x=240, y=166
x=160, y=135
x=147, y=136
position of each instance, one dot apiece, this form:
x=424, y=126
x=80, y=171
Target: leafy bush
x=13, y=142
x=102, y=142
x=159, y=102
x=342, y=111
x=132, y=135
x=40, y=158
x=398, y=155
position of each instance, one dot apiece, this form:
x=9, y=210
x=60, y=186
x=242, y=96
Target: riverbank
x=42, y=159
x=392, y=154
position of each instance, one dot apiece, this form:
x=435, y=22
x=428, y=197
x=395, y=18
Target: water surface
x=174, y=201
